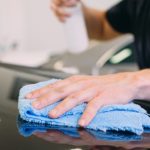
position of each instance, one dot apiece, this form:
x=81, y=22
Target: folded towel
x=28, y=129
x=130, y=117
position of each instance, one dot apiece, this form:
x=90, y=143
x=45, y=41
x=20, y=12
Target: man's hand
x=96, y=91
x=58, y=8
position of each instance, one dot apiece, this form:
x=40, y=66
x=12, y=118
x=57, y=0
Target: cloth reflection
x=95, y=140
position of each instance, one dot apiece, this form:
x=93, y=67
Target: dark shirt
x=133, y=16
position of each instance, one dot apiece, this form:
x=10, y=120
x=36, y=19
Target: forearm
x=97, y=24
x=93, y=22
x=142, y=80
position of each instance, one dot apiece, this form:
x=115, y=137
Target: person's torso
x=141, y=30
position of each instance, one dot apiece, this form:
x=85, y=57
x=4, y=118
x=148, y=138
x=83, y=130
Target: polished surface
x=46, y=139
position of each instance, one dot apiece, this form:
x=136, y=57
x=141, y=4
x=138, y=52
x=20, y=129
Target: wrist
x=142, y=84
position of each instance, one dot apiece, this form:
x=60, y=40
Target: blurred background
x=30, y=35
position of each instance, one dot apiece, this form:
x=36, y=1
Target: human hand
x=58, y=8
x=96, y=91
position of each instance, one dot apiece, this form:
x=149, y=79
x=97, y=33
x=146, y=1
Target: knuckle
x=59, y=91
x=44, y=101
x=41, y=100
x=54, y=85
x=49, y=86
x=67, y=104
x=76, y=77
x=74, y=97
x=37, y=92
x=40, y=91
x=61, y=108
x=91, y=110
x=88, y=115
x=92, y=107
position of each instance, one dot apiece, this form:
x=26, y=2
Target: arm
x=97, y=24
x=143, y=84
x=97, y=91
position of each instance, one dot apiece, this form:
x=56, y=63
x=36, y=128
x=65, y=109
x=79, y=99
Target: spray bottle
x=75, y=30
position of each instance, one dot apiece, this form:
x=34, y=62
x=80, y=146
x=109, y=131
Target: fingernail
x=36, y=105
x=82, y=123
x=53, y=113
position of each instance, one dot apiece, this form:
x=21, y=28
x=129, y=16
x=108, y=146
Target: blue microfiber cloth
x=130, y=117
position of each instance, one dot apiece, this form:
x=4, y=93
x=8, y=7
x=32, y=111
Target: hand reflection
x=95, y=144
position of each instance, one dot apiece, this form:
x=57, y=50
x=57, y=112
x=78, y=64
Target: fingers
x=47, y=99
x=60, y=12
x=58, y=93
x=58, y=8
x=91, y=110
x=58, y=84
x=72, y=101
x=45, y=89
